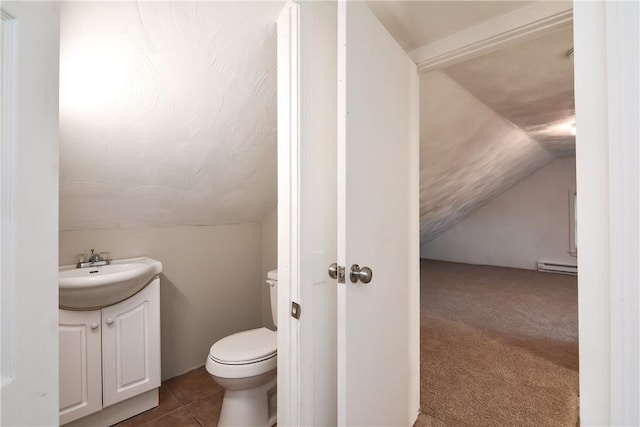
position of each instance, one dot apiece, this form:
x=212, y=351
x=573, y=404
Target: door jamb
x=289, y=256
x=607, y=71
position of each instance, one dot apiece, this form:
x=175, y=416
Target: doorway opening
x=497, y=203
x=499, y=332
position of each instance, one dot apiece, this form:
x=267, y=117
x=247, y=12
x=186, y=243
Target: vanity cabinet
x=80, y=364
x=110, y=356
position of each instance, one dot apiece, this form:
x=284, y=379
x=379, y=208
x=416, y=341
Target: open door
x=378, y=162
x=347, y=191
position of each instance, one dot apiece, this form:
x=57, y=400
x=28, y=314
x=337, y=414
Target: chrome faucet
x=94, y=260
x=94, y=257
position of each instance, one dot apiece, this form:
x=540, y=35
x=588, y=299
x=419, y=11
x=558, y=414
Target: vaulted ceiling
x=469, y=154
x=417, y=23
x=530, y=85
x=487, y=122
x=168, y=111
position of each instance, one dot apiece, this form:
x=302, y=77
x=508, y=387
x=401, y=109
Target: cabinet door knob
x=94, y=325
x=109, y=321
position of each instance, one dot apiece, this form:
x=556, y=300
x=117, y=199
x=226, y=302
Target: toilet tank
x=272, y=281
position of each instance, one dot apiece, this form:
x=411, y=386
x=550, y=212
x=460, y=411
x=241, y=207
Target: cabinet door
x=80, y=367
x=131, y=345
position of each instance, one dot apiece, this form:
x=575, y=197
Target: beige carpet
x=498, y=347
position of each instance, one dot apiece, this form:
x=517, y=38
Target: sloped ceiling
x=489, y=122
x=168, y=113
x=416, y=23
x=469, y=154
x=531, y=85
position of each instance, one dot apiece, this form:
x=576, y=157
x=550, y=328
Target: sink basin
x=96, y=287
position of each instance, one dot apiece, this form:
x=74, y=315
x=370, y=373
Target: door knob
x=109, y=321
x=94, y=325
x=363, y=274
x=333, y=270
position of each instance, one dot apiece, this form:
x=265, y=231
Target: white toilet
x=245, y=365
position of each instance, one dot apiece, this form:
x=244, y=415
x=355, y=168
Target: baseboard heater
x=552, y=267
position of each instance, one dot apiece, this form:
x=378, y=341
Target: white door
x=378, y=143
x=80, y=364
x=131, y=346
x=364, y=371
x=29, y=213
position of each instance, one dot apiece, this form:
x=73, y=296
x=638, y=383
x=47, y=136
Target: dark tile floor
x=190, y=400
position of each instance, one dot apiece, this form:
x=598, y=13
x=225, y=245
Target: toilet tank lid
x=272, y=275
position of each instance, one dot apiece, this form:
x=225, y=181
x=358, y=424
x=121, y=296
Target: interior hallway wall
x=209, y=288
x=269, y=262
x=527, y=223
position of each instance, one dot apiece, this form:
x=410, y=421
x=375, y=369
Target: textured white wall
x=527, y=223
x=210, y=286
x=167, y=113
x=468, y=154
x=269, y=261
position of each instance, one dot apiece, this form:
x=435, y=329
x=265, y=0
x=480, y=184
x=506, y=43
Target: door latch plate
x=295, y=310
x=337, y=272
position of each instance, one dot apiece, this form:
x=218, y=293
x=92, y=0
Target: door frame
x=608, y=213
x=606, y=92
x=29, y=216
x=289, y=252
x=307, y=140
x=606, y=40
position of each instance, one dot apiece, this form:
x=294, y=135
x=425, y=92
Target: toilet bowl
x=244, y=364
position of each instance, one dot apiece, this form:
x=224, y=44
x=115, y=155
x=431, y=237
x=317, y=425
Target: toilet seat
x=222, y=370
x=245, y=347
x=244, y=354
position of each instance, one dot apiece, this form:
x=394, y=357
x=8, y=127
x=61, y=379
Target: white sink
x=95, y=287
